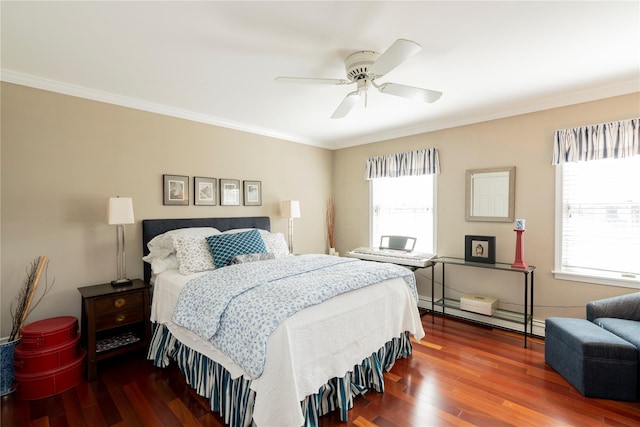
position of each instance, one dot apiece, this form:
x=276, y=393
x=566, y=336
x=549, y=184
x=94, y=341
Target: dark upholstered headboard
x=153, y=227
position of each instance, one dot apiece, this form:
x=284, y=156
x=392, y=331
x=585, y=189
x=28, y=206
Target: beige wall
x=62, y=157
x=523, y=141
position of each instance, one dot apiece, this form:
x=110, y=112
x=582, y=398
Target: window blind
x=601, y=217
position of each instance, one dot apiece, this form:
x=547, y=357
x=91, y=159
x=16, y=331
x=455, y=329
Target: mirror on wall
x=490, y=194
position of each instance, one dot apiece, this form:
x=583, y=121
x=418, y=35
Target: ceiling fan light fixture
x=363, y=85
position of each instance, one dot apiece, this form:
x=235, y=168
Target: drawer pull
x=120, y=302
x=120, y=317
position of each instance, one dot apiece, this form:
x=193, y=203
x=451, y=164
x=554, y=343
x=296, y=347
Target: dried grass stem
x=26, y=294
x=331, y=218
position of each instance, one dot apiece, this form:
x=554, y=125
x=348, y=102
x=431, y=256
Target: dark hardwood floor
x=459, y=374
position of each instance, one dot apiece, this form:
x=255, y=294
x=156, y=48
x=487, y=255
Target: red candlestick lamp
x=519, y=261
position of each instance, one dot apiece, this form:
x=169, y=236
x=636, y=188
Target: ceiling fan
x=364, y=67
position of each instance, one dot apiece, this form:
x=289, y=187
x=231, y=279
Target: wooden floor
x=459, y=374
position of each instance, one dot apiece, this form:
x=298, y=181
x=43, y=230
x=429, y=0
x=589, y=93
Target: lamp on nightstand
x=119, y=213
x=290, y=209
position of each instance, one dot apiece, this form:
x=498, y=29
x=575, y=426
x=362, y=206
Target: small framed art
x=205, y=191
x=480, y=249
x=252, y=193
x=176, y=190
x=229, y=192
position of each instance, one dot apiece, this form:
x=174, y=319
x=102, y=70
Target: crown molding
x=486, y=114
x=467, y=118
x=36, y=82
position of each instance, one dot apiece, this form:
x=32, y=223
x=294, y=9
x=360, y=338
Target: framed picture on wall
x=175, y=190
x=229, y=192
x=252, y=193
x=205, y=191
x=480, y=249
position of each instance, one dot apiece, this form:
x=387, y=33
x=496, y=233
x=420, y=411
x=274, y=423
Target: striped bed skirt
x=233, y=399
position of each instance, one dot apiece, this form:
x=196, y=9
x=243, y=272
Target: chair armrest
x=621, y=307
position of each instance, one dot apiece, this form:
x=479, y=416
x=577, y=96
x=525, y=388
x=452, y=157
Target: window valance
x=603, y=141
x=409, y=163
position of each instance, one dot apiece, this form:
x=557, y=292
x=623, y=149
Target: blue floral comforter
x=237, y=307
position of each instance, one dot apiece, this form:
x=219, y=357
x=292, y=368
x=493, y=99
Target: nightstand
x=115, y=320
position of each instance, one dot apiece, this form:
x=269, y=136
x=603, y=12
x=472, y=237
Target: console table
x=525, y=319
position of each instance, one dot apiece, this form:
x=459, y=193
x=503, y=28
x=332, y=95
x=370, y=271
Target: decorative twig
x=25, y=295
x=331, y=217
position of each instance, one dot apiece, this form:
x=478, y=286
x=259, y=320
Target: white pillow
x=160, y=265
x=274, y=242
x=162, y=246
x=192, y=251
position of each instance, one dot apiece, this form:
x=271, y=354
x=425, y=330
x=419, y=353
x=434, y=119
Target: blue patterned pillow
x=226, y=246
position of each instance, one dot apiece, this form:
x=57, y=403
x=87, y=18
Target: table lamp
x=290, y=209
x=119, y=213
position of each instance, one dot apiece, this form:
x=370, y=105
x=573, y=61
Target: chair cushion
x=629, y=330
x=590, y=340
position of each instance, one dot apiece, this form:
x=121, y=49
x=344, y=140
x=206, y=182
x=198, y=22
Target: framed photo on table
x=175, y=190
x=480, y=249
x=229, y=192
x=252, y=193
x=205, y=191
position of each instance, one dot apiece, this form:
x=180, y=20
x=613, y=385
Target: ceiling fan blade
x=397, y=53
x=312, y=81
x=346, y=105
x=415, y=93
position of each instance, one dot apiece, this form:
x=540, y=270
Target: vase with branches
x=25, y=299
x=331, y=221
x=19, y=313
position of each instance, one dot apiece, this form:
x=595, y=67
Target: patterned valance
x=604, y=141
x=409, y=163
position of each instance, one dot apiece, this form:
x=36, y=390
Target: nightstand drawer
x=119, y=318
x=117, y=303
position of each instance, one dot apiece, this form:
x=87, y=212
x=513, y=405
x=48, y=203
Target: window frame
x=434, y=189
x=588, y=277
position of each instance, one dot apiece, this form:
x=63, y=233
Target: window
x=404, y=206
x=598, y=221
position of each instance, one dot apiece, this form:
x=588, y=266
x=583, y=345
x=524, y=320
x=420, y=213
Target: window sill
x=624, y=282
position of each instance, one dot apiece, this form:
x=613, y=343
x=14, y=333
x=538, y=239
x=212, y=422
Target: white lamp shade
x=120, y=210
x=290, y=208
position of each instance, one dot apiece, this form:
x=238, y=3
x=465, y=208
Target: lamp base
x=519, y=261
x=121, y=282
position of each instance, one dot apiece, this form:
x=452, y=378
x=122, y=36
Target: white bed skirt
x=234, y=399
x=320, y=342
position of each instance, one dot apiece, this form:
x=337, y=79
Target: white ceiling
x=216, y=62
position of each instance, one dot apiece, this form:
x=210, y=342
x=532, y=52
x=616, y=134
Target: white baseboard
x=538, y=325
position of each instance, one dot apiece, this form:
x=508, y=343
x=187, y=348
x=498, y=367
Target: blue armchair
x=599, y=356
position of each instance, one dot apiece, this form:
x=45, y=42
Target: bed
x=312, y=364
